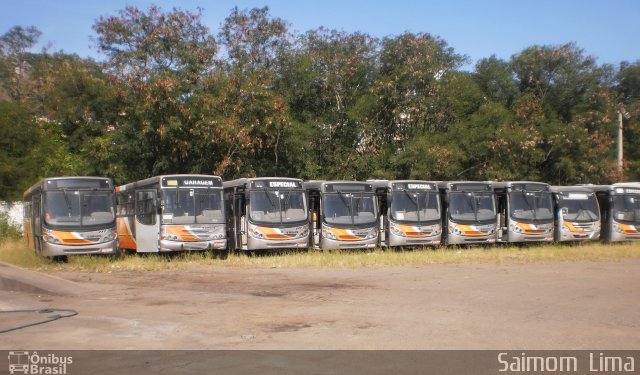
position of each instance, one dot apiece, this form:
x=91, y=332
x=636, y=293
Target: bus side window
x=146, y=207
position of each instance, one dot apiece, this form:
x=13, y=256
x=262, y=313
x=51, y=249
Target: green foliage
x=256, y=99
x=8, y=230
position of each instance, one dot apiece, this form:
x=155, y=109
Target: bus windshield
x=349, y=208
x=414, y=206
x=77, y=208
x=580, y=207
x=626, y=208
x=531, y=205
x=277, y=206
x=192, y=206
x=472, y=206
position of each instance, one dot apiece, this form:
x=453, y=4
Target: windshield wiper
x=66, y=199
x=266, y=192
x=471, y=200
x=416, y=203
x=347, y=204
x=531, y=208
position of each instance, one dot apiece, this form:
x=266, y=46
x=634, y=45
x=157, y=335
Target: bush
x=8, y=230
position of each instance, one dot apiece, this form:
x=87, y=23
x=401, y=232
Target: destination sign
x=413, y=186
x=530, y=187
x=276, y=184
x=471, y=187
x=78, y=183
x=192, y=182
x=348, y=187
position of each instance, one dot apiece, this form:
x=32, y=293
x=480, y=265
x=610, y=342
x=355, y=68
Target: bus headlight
x=515, y=228
x=618, y=228
x=51, y=238
x=110, y=236
x=256, y=234
x=395, y=230
x=457, y=231
x=328, y=234
x=303, y=233
x=437, y=229
x=372, y=234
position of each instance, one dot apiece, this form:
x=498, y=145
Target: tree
x=14, y=69
x=158, y=61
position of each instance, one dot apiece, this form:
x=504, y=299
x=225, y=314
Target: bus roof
x=522, y=185
x=404, y=184
x=54, y=182
x=264, y=182
x=338, y=185
x=612, y=188
x=465, y=186
x=172, y=180
x=572, y=189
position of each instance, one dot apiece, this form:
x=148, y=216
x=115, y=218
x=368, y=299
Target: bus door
x=240, y=219
x=315, y=220
x=36, y=223
x=147, y=223
x=503, y=217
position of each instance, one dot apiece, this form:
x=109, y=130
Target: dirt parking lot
x=581, y=305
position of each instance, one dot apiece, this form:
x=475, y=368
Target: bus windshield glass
x=414, y=206
x=579, y=207
x=472, y=207
x=349, y=208
x=531, y=205
x=277, y=206
x=77, y=208
x=626, y=208
x=192, y=206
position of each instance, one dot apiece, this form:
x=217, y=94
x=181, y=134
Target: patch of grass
x=15, y=252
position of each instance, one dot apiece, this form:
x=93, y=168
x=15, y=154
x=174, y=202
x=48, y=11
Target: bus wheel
x=60, y=259
x=220, y=254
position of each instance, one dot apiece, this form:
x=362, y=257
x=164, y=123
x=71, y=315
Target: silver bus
x=469, y=212
x=577, y=213
x=267, y=213
x=619, y=210
x=525, y=211
x=410, y=212
x=344, y=214
x=172, y=213
x=70, y=215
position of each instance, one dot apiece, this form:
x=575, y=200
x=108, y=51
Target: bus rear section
x=577, y=214
x=344, y=214
x=469, y=212
x=410, y=213
x=525, y=211
x=71, y=215
x=619, y=211
x=267, y=213
x=172, y=213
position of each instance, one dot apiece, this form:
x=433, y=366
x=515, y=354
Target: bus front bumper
x=52, y=250
x=167, y=246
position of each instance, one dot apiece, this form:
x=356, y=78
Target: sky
x=608, y=30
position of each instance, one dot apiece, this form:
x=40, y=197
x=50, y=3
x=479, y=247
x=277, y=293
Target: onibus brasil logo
x=32, y=363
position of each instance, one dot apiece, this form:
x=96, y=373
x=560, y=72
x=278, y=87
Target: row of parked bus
x=89, y=215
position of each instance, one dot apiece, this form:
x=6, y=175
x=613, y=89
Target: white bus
x=577, y=213
x=70, y=215
x=620, y=211
x=172, y=213
x=410, y=212
x=525, y=211
x=267, y=213
x=469, y=212
x=344, y=214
